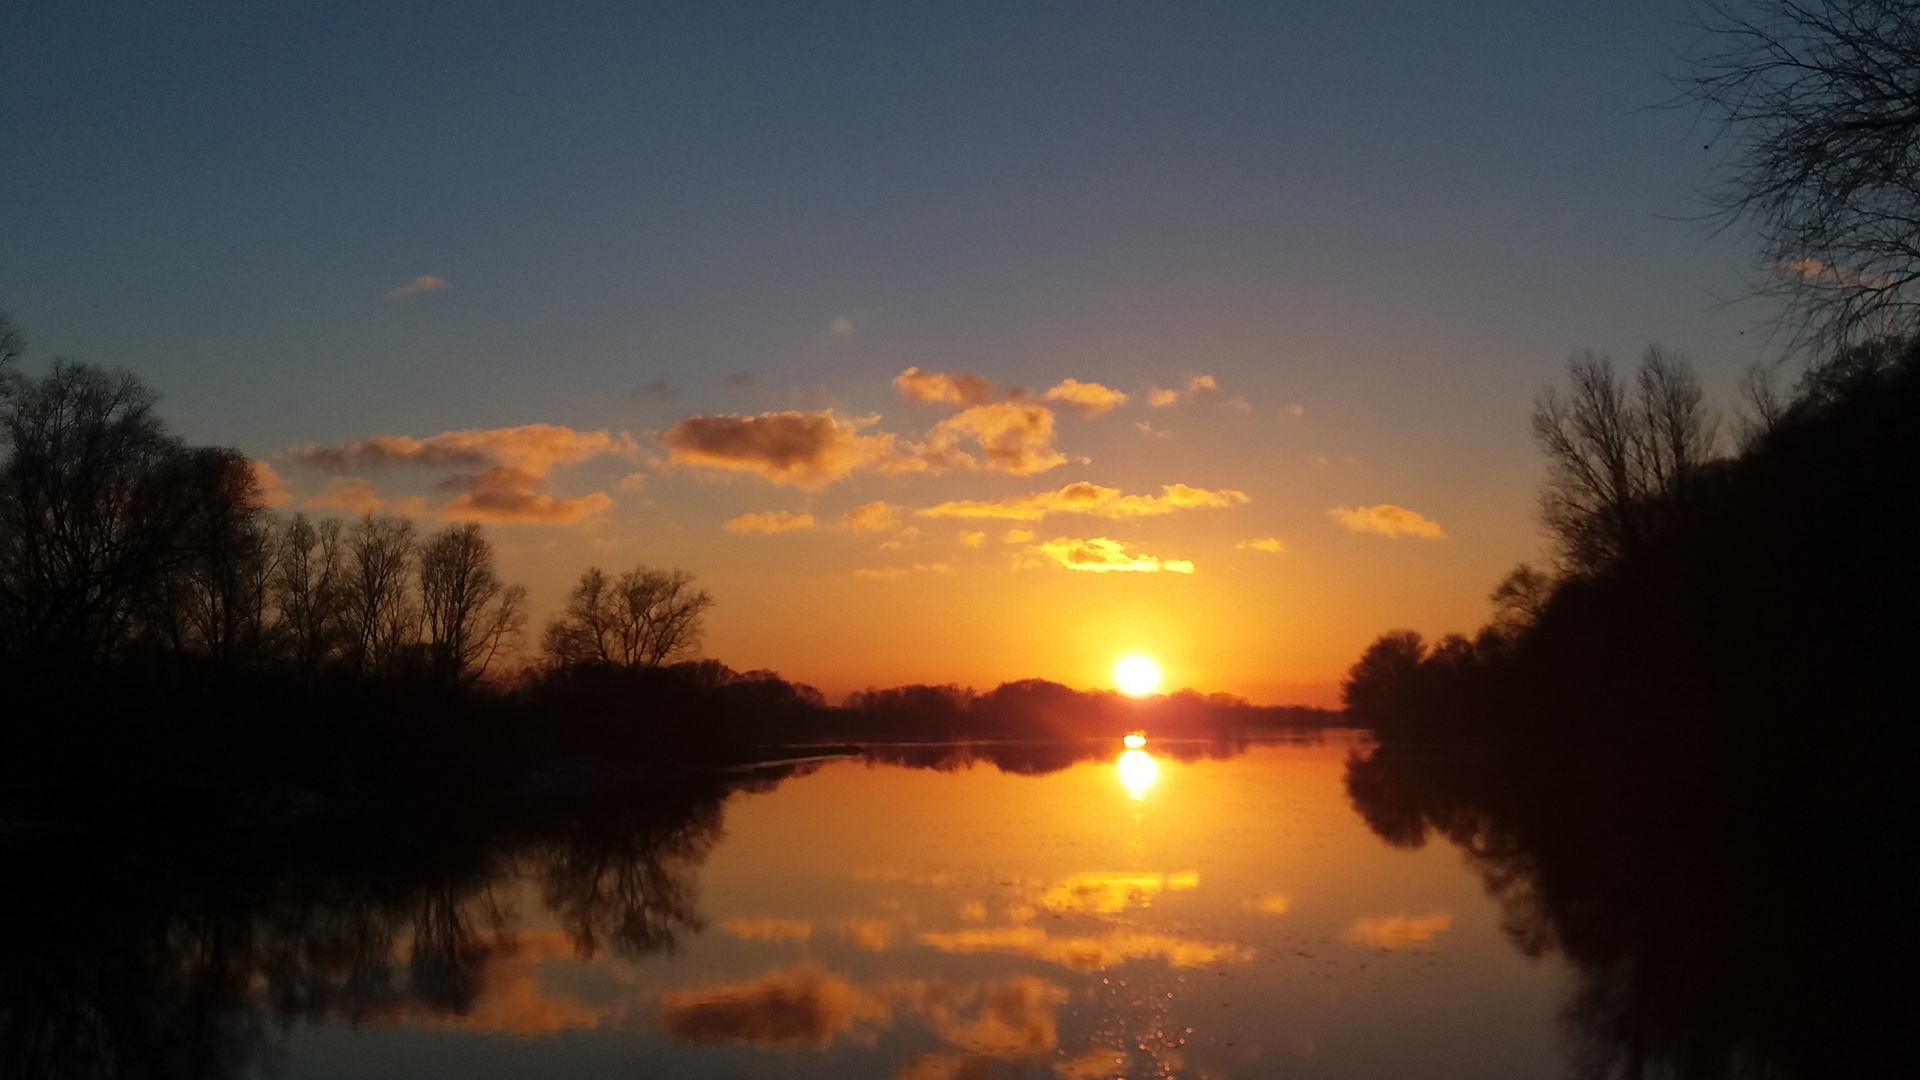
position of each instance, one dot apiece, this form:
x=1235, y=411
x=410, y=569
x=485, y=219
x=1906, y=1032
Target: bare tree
x=644, y=619
x=469, y=613
x=96, y=500
x=308, y=582
x=1820, y=100
x=1519, y=599
x=381, y=619
x=1619, y=460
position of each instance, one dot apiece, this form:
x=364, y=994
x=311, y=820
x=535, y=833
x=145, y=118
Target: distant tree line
x=1690, y=590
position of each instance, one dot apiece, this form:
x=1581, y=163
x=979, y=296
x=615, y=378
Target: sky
x=941, y=343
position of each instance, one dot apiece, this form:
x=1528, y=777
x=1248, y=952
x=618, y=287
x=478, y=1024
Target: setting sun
x=1137, y=675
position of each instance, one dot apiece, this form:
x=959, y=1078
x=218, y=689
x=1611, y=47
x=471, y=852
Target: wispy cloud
x=776, y=521
x=269, y=485
x=1088, y=952
x=500, y=473
x=1090, y=399
x=954, y=388
x=1197, y=386
x=425, y=283
x=352, y=495
x=1091, y=499
x=768, y=929
x=1010, y=437
x=1266, y=543
x=805, y=450
x=1387, y=520
x=1397, y=931
x=1102, y=555
x=888, y=573
x=870, y=517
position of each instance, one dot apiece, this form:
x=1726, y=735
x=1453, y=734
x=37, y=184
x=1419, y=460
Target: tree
x=99, y=509
x=646, y=618
x=1619, y=458
x=1821, y=102
x=309, y=579
x=469, y=613
x=1377, y=686
x=381, y=620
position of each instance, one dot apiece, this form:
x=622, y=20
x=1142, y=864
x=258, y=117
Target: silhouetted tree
x=469, y=613
x=381, y=618
x=309, y=582
x=99, y=506
x=1519, y=598
x=1377, y=684
x=645, y=618
x=1614, y=453
x=1818, y=99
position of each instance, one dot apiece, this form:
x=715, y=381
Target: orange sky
x=961, y=530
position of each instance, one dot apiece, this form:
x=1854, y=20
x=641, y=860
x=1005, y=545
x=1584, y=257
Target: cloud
x=1266, y=543
x=1387, y=520
x=888, y=573
x=269, y=485
x=1197, y=386
x=1102, y=555
x=874, y=935
x=1397, y=931
x=510, y=468
x=1088, y=952
x=1090, y=399
x=955, y=388
x=1017, y=536
x=805, y=450
x=774, y=521
x=425, y=283
x=794, y=1009
x=1086, y=498
x=870, y=517
x=1012, y=437
x=972, y=539
x=768, y=929
x=512, y=997
x=841, y=327
x=657, y=390
x=1111, y=893
x=1270, y=904
x=504, y=495
x=355, y=496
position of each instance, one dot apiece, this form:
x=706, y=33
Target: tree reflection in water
x=1728, y=918
x=173, y=949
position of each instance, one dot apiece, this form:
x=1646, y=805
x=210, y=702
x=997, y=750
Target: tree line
x=119, y=541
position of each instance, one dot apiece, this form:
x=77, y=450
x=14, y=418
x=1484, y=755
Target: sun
x=1136, y=675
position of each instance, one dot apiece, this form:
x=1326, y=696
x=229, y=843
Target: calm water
x=1136, y=917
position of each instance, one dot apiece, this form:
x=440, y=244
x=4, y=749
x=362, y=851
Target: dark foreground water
x=1191, y=910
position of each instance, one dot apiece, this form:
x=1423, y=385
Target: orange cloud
x=1196, y=386
x=512, y=467
x=768, y=929
x=871, y=934
x=798, y=1008
x=955, y=388
x=1270, y=904
x=353, y=495
x=1090, y=399
x=511, y=1000
x=888, y=573
x=505, y=495
x=1088, y=952
x=870, y=517
x=1086, y=498
x=1012, y=437
x=805, y=450
x=776, y=521
x=1017, y=536
x=1109, y=893
x=1397, y=931
x=1266, y=543
x=421, y=284
x=269, y=485
x=972, y=539
x=1387, y=520
x=1102, y=555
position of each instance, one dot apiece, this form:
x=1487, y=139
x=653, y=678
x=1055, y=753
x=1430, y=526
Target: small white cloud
x=841, y=327
x=423, y=284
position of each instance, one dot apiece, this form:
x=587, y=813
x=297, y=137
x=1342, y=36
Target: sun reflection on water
x=1138, y=771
